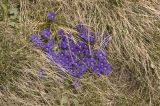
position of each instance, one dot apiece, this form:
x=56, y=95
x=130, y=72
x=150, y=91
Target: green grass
x=133, y=52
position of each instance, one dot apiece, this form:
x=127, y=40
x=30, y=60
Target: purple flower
x=81, y=67
x=106, y=69
x=38, y=43
x=48, y=46
x=61, y=32
x=84, y=32
x=34, y=37
x=51, y=15
x=92, y=37
x=51, y=55
x=82, y=28
x=63, y=44
x=84, y=59
x=77, y=69
x=73, y=57
x=83, y=36
x=75, y=49
x=87, y=52
x=81, y=71
x=96, y=69
x=72, y=70
x=79, y=48
x=46, y=33
x=70, y=35
x=63, y=58
x=85, y=49
x=82, y=45
x=100, y=54
x=91, y=62
x=68, y=60
x=62, y=53
x=71, y=43
x=102, y=62
x=60, y=60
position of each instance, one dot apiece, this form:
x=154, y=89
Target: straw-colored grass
x=133, y=52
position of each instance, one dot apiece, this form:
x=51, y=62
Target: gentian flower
x=82, y=68
x=91, y=33
x=91, y=62
x=80, y=48
x=63, y=44
x=82, y=29
x=96, y=69
x=38, y=43
x=84, y=59
x=62, y=53
x=82, y=45
x=106, y=69
x=77, y=69
x=63, y=57
x=68, y=60
x=46, y=33
x=102, y=62
x=72, y=70
x=71, y=44
x=48, y=46
x=86, y=50
x=34, y=37
x=73, y=57
x=75, y=49
x=100, y=54
x=70, y=35
x=60, y=60
x=61, y=32
x=72, y=48
x=92, y=37
x=83, y=36
x=51, y=55
x=64, y=38
x=78, y=72
x=51, y=15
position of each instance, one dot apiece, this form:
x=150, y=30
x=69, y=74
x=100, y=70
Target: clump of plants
x=74, y=54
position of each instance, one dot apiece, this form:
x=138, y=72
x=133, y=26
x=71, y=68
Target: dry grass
x=133, y=51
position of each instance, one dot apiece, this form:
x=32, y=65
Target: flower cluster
x=75, y=56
